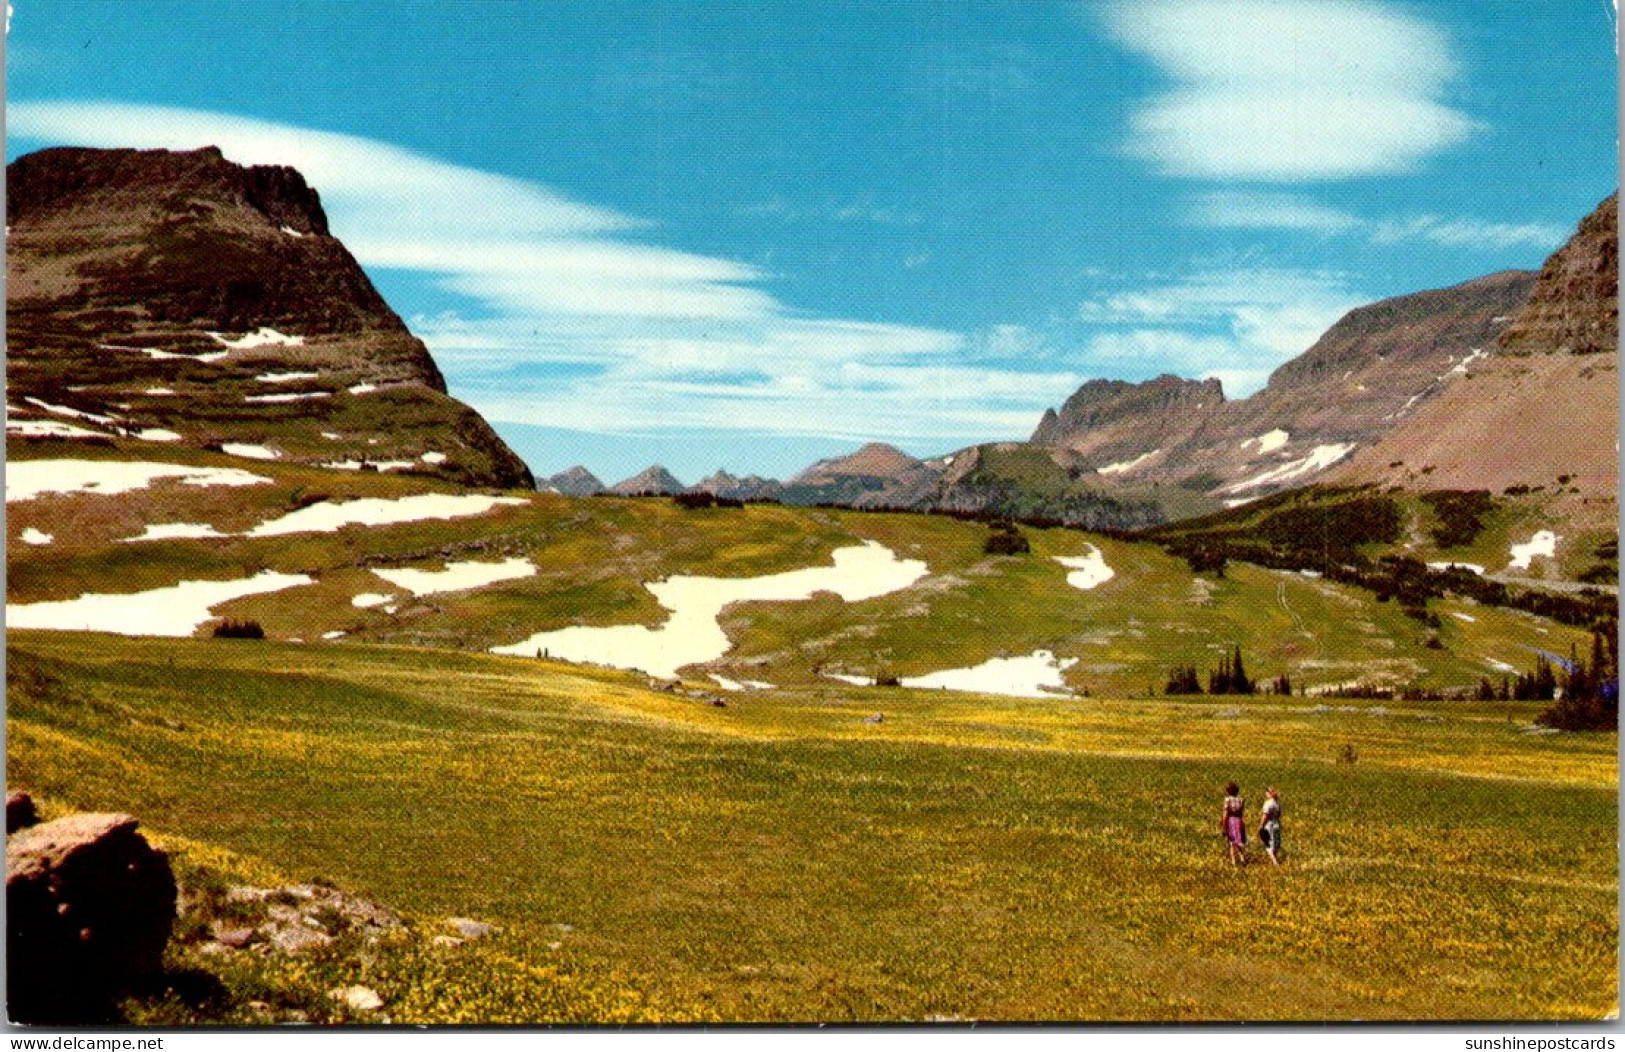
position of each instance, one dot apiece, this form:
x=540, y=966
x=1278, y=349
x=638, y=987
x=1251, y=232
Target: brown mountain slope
x=1542, y=412
x=1370, y=371
x=181, y=297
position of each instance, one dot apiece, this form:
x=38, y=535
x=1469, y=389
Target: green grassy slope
x=780, y=859
x=594, y=555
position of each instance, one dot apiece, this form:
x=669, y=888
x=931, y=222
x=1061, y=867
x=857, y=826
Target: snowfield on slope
x=693, y=633
x=27, y=479
x=1036, y=675
x=1088, y=570
x=177, y=610
x=457, y=577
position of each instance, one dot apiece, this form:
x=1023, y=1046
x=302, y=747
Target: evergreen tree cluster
x=1590, y=694
x=1229, y=678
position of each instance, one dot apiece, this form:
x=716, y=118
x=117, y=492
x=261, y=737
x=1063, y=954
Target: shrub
x=1006, y=540
x=229, y=629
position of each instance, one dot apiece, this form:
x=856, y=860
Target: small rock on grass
x=360, y=998
x=297, y=940
x=470, y=929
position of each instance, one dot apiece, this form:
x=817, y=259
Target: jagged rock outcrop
x=1575, y=305
x=89, y=909
x=576, y=482
x=651, y=481
x=1370, y=371
x=177, y=296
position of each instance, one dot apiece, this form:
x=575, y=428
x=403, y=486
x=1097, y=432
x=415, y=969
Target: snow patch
x=376, y=465
x=1472, y=567
x=1319, y=459
x=27, y=479
x=457, y=577
x=33, y=536
x=1461, y=366
x=432, y=457
x=1037, y=675
x=727, y=684
x=361, y=389
x=158, y=434
x=244, y=449
x=1500, y=666
x=283, y=378
x=1269, y=441
x=261, y=337
x=291, y=397
x=693, y=635
x=155, y=353
x=290, y=231
x=1088, y=571
x=170, y=531
x=77, y=414
x=1124, y=466
x=1469, y=618
x=157, y=391
x=1542, y=543
x=177, y=610
x=367, y=600
x=329, y=516
x=856, y=681
x=49, y=429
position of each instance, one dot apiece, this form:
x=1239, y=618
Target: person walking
x=1234, y=824
x=1269, y=827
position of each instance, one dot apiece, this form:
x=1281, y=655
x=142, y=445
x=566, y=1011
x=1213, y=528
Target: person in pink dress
x=1234, y=824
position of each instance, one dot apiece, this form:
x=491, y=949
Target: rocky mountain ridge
x=179, y=297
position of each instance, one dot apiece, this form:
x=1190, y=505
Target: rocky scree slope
x=1370, y=371
x=180, y=297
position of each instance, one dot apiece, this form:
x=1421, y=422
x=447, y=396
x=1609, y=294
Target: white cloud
x=1242, y=210
x=1235, y=324
x=572, y=322
x=1469, y=233
x=1289, y=90
x=1251, y=210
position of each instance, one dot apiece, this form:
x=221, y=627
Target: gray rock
x=470, y=929
x=296, y=940
x=235, y=937
x=90, y=907
x=360, y=998
x=876, y=718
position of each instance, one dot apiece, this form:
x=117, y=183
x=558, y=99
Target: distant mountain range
x=177, y=297
x=1508, y=380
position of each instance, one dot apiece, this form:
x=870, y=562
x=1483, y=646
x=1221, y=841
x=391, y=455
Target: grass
x=594, y=555
x=780, y=859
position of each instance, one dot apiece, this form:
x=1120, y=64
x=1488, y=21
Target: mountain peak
x=654, y=479
x=182, y=294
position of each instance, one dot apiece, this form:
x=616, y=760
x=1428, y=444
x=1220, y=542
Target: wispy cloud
x=1262, y=210
x=570, y=316
x=1235, y=324
x=1289, y=90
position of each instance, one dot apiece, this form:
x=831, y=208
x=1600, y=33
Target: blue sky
x=748, y=235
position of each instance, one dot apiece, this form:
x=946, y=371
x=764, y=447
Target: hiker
x=1234, y=824
x=1269, y=828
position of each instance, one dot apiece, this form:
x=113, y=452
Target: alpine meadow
x=1170, y=547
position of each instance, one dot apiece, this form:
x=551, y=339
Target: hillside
x=1370, y=371
x=1537, y=414
x=187, y=300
